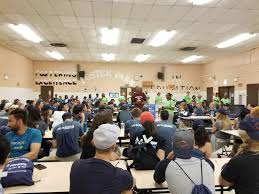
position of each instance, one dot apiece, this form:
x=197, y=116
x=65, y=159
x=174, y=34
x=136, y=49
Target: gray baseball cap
x=105, y=136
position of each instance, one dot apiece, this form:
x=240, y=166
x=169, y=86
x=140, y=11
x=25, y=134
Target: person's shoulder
x=33, y=131
x=10, y=134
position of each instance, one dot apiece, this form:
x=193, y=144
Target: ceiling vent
x=188, y=48
x=58, y=44
x=137, y=40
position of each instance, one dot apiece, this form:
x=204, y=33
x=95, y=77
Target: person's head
x=255, y=112
x=136, y=113
x=220, y=104
x=146, y=116
x=183, y=142
x=193, y=97
x=183, y=106
x=158, y=93
x=250, y=106
x=225, y=95
x=199, y=105
x=145, y=108
x=199, y=96
x=211, y=106
x=138, y=89
x=188, y=93
x=63, y=107
x=201, y=136
x=17, y=119
x=105, y=137
x=78, y=109
x=226, y=106
x=56, y=95
x=124, y=107
x=216, y=94
x=10, y=107
x=103, y=94
x=67, y=116
x=204, y=103
x=164, y=115
x=39, y=104
x=16, y=101
x=33, y=116
x=221, y=113
x=4, y=149
x=66, y=96
x=150, y=128
x=193, y=103
x=97, y=95
x=90, y=96
x=168, y=96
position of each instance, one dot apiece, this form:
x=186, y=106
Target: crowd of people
x=86, y=132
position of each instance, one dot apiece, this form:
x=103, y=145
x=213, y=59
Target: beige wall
x=110, y=77
x=18, y=68
x=244, y=67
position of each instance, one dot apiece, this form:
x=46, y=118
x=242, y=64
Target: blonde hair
x=248, y=144
x=255, y=112
x=226, y=123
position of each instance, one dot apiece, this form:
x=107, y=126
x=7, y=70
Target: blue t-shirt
x=20, y=145
x=166, y=130
x=133, y=126
x=95, y=176
x=67, y=135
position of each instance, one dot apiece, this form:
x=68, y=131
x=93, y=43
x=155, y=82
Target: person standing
x=159, y=103
x=138, y=98
x=216, y=98
x=225, y=100
x=187, y=98
x=104, y=99
x=169, y=105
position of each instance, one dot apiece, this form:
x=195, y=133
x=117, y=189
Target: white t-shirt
x=57, y=118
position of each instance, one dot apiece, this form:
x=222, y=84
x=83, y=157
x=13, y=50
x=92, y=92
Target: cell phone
x=40, y=166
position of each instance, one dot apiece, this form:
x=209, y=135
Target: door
x=47, y=92
x=252, y=94
x=229, y=90
x=209, y=94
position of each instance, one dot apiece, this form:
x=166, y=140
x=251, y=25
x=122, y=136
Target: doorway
x=252, y=94
x=229, y=90
x=47, y=92
x=209, y=94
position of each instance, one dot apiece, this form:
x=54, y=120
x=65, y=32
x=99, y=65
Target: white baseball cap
x=105, y=136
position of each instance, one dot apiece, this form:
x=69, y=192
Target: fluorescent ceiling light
x=162, y=38
x=191, y=59
x=108, y=56
x=110, y=36
x=235, y=40
x=200, y=2
x=26, y=32
x=55, y=55
x=141, y=58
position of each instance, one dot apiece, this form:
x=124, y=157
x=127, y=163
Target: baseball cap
x=105, y=136
x=183, y=143
x=146, y=116
x=222, y=111
x=251, y=126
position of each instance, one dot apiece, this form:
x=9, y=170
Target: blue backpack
x=197, y=189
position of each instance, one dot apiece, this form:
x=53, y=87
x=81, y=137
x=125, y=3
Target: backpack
x=197, y=189
x=144, y=157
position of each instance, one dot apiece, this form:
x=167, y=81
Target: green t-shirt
x=104, y=100
x=169, y=106
x=187, y=99
x=226, y=101
x=216, y=99
x=158, y=100
x=199, y=100
x=121, y=98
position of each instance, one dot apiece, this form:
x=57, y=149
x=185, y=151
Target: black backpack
x=144, y=157
x=197, y=189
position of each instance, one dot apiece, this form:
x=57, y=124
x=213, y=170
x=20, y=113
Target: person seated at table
x=78, y=112
x=34, y=120
x=4, y=151
x=25, y=142
x=183, y=110
x=250, y=106
x=225, y=99
x=187, y=98
x=158, y=143
x=166, y=130
x=219, y=139
x=88, y=150
x=241, y=172
x=202, y=147
x=198, y=111
x=212, y=110
x=132, y=126
x=180, y=170
x=199, y=99
x=124, y=115
x=4, y=117
x=226, y=107
x=193, y=106
x=66, y=139
x=57, y=115
x=205, y=107
x=98, y=175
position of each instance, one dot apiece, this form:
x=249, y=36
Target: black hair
x=33, y=116
x=61, y=106
x=66, y=116
x=164, y=115
x=4, y=149
x=150, y=128
x=201, y=136
x=77, y=109
x=19, y=114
